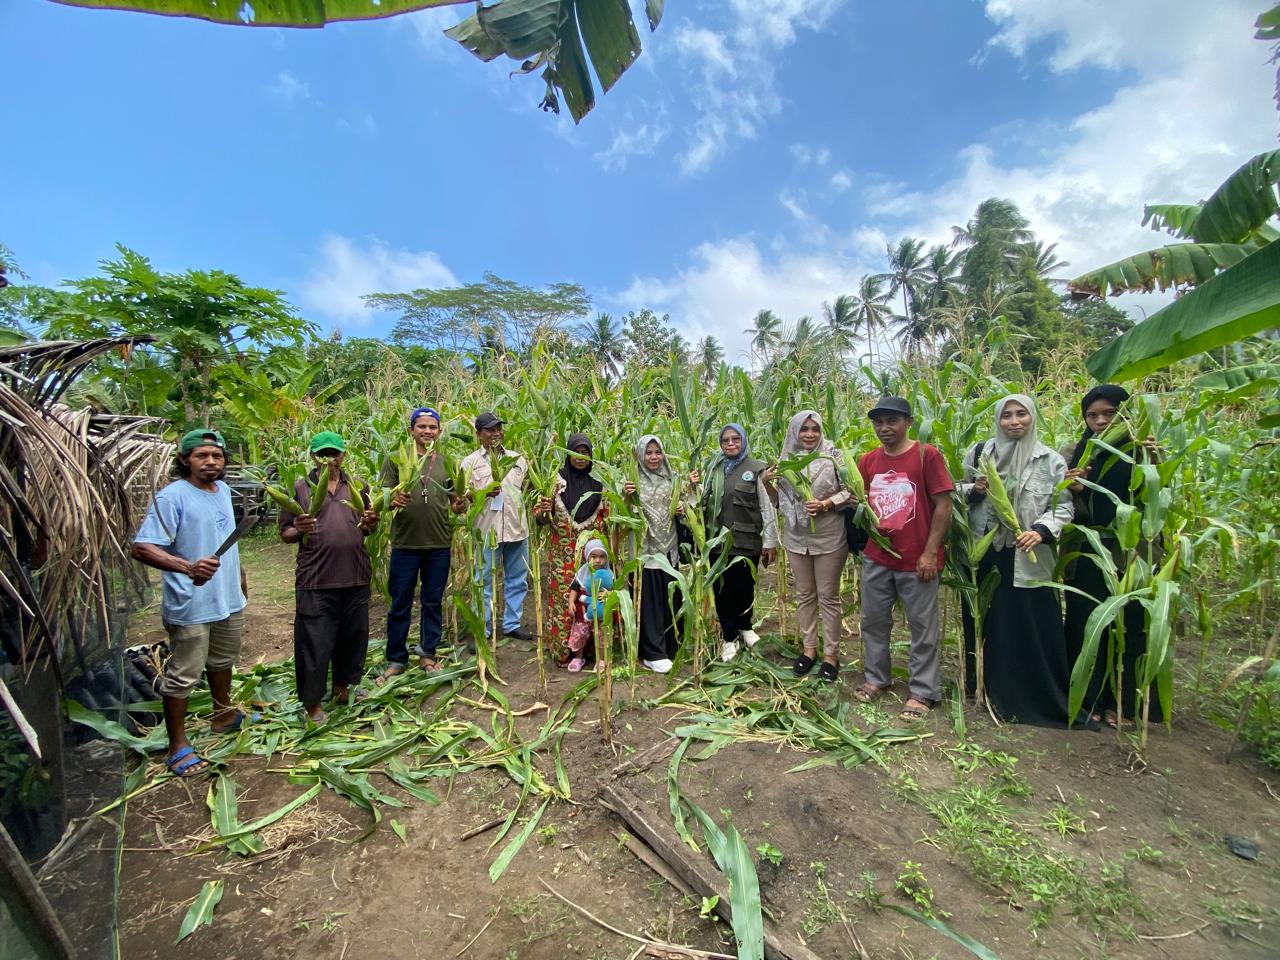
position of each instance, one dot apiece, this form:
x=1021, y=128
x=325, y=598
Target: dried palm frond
x=72, y=487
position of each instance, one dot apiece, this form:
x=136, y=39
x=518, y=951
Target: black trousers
x=735, y=594
x=659, y=635
x=330, y=633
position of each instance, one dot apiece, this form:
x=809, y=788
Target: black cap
x=890, y=405
x=488, y=419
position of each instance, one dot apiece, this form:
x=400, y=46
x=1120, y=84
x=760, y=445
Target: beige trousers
x=817, y=579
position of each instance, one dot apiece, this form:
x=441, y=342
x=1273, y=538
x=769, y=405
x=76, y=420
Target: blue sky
x=760, y=154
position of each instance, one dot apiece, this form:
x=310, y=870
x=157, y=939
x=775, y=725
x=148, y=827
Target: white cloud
x=841, y=181
x=1197, y=110
x=1198, y=106
x=289, y=89
x=634, y=138
x=730, y=281
x=732, y=72
x=348, y=269
x=428, y=27
x=793, y=203
x=805, y=154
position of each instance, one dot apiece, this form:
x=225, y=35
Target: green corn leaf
x=79, y=713
x=733, y=857
x=222, y=809
x=673, y=796
x=499, y=866
x=973, y=946
x=200, y=913
x=266, y=821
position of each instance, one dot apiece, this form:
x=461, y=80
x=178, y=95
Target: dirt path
x=982, y=830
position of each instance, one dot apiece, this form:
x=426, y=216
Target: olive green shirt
x=426, y=522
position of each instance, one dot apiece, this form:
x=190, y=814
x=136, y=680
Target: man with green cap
x=331, y=586
x=203, y=597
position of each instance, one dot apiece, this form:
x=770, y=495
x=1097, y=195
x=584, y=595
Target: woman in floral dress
x=576, y=512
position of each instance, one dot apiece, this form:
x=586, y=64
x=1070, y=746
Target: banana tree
x=1230, y=265
x=558, y=37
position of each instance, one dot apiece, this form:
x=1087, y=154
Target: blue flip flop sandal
x=238, y=722
x=183, y=759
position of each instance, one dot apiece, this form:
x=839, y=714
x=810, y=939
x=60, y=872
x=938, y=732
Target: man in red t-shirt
x=909, y=491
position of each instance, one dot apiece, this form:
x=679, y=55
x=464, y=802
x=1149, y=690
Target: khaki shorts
x=196, y=647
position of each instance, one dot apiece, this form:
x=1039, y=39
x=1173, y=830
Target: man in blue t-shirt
x=202, y=604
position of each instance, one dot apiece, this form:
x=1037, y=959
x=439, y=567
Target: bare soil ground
x=1148, y=839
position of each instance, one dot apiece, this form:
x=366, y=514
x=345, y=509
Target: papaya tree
x=200, y=320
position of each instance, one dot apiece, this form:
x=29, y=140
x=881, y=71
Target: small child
x=586, y=596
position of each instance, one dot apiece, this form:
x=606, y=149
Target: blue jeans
x=403, y=572
x=515, y=578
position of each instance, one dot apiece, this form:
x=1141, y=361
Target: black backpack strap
x=976, y=456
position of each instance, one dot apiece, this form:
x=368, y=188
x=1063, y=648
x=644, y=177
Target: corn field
x=1211, y=501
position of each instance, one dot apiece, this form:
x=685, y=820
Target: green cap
x=327, y=440
x=201, y=438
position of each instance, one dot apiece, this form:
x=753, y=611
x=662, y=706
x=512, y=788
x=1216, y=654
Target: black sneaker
x=520, y=633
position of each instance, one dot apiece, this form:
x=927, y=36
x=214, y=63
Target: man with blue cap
x=421, y=545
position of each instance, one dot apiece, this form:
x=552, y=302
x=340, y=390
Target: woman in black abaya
x=1097, y=510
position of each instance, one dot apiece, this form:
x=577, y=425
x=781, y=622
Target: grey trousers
x=817, y=577
x=880, y=587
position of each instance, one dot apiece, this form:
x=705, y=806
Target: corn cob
x=795, y=471
x=319, y=489
x=999, y=496
x=283, y=500
x=1114, y=433
x=357, y=502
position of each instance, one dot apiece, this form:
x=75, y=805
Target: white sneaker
x=728, y=651
x=750, y=638
x=658, y=666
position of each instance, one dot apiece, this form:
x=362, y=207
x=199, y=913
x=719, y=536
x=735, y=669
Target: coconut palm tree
x=708, y=357
x=871, y=306
x=940, y=287
x=602, y=341
x=841, y=317
x=995, y=228
x=679, y=350
x=906, y=271
x=1044, y=257
x=766, y=334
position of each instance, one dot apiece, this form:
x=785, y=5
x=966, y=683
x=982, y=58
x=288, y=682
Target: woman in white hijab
x=1024, y=649
x=812, y=532
x=655, y=491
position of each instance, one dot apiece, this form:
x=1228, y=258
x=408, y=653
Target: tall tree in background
x=708, y=358
x=680, y=354
x=939, y=282
x=1043, y=257
x=871, y=305
x=906, y=273
x=603, y=343
x=494, y=314
x=649, y=338
x=201, y=321
x=766, y=335
x=986, y=240
x=841, y=317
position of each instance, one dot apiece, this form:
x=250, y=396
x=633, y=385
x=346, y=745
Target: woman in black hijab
x=575, y=508
x=1097, y=511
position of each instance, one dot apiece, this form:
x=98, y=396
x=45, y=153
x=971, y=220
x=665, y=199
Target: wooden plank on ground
x=696, y=871
x=645, y=758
